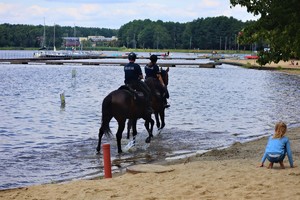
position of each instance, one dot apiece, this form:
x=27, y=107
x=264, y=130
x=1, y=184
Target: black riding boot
x=165, y=97
x=166, y=105
x=165, y=101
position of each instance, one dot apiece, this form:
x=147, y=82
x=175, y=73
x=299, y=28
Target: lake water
x=42, y=142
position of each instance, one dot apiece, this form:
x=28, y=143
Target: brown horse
x=157, y=99
x=122, y=104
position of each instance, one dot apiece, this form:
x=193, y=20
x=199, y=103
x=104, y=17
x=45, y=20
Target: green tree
x=187, y=36
x=31, y=36
x=162, y=39
x=146, y=38
x=278, y=26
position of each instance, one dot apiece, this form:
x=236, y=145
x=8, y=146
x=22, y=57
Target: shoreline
x=230, y=173
x=281, y=66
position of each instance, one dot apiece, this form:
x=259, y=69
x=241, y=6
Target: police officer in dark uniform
x=133, y=77
x=152, y=70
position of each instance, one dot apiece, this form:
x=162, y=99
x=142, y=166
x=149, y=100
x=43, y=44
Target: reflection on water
x=42, y=142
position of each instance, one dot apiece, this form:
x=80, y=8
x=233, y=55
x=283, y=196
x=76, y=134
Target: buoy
x=62, y=99
x=74, y=73
x=106, y=160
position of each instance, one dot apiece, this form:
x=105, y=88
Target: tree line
x=30, y=36
x=215, y=33
x=203, y=33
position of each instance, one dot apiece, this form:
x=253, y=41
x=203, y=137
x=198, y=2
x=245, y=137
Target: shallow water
x=41, y=142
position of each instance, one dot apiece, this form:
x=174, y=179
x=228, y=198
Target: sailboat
x=44, y=52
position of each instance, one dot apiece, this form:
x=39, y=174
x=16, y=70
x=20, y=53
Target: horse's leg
x=134, y=131
x=150, y=130
x=162, y=118
x=119, y=133
x=129, y=125
x=146, y=124
x=104, y=129
x=157, y=120
x=101, y=132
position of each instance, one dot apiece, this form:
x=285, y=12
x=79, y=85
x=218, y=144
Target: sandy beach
x=231, y=173
x=286, y=67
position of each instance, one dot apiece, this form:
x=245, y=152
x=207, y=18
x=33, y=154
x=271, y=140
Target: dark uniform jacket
x=132, y=72
x=151, y=71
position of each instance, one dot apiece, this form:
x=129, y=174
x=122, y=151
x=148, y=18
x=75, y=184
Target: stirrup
x=166, y=105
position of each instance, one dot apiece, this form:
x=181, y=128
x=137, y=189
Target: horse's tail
x=106, y=115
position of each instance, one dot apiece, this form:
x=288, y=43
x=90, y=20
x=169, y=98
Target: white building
x=102, y=38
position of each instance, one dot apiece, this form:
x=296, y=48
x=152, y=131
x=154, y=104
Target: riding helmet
x=153, y=58
x=131, y=56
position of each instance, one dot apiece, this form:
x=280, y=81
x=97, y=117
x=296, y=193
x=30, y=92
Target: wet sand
x=231, y=173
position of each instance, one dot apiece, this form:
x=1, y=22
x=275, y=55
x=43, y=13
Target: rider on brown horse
x=133, y=77
x=152, y=70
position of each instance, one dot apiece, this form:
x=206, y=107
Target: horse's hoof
x=161, y=128
x=148, y=140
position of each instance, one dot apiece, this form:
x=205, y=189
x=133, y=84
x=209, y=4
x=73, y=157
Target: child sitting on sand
x=277, y=147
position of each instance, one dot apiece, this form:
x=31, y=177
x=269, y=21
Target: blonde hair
x=280, y=130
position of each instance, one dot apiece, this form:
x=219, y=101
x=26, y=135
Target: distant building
x=71, y=42
x=82, y=39
x=75, y=42
x=101, y=38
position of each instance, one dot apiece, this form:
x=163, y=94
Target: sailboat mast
x=44, y=35
x=54, y=48
x=75, y=35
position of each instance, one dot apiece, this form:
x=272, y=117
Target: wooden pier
x=113, y=60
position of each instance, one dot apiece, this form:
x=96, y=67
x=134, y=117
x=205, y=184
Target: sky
x=114, y=13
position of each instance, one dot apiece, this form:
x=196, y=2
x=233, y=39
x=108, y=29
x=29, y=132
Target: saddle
x=137, y=95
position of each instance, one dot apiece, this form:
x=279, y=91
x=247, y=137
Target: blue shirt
x=151, y=71
x=278, y=146
x=132, y=72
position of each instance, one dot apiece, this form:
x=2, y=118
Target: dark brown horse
x=122, y=104
x=157, y=100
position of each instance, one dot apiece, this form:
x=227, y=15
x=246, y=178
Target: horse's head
x=165, y=75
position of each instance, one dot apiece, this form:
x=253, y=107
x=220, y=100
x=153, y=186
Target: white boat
x=67, y=54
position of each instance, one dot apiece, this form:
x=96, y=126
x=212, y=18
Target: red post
x=106, y=160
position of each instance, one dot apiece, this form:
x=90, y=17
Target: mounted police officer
x=133, y=77
x=152, y=70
